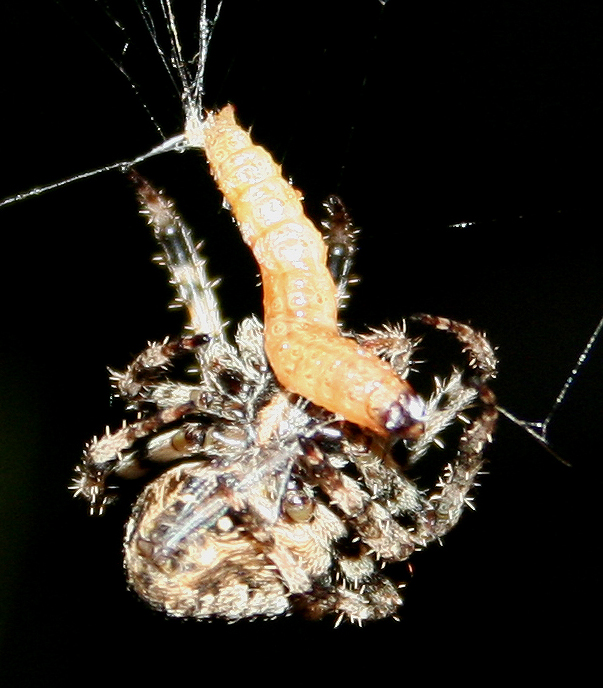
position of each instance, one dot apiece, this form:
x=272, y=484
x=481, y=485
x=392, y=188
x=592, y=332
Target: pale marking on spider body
x=303, y=343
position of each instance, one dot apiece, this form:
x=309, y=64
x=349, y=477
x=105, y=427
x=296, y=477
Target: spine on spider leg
x=303, y=344
x=186, y=267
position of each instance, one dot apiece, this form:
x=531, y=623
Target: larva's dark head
x=405, y=417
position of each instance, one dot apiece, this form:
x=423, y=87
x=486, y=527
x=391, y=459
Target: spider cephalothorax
x=291, y=461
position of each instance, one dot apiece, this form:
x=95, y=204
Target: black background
x=420, y=116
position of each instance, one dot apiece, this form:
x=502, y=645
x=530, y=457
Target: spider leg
x=393, y=345
x=340, y=235
x=380, y=524
x=480, y=351
x=468, y=399
x=151, y=364
x=446, y=405
x=387, y=514
x=233, y=385
x=357, y=589
x=451, y=495
x=187, y=268
x=458, y=393
x=110, y=454
x=450, y=401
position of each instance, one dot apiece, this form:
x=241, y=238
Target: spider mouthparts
x=405, y=416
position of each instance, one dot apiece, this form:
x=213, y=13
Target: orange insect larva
x=302, y=340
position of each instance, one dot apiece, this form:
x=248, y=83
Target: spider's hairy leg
x=450, y=398
x=357, y=590
x=109, y=454
x=340, y=235
x=187, y=269
x=364, y=513
x=140, y=384
x=451, y=495
x=459, y=392
x=231, y=386
x=142, y=374
x=450, y=401
x=391, y=343
x=481, y=354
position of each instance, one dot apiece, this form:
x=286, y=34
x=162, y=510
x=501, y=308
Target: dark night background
x=420, y=116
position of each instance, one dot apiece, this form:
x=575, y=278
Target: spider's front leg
x=450, y=498
x=340, y=235
x=194, y=289
x=216, y=405
x=458, y=398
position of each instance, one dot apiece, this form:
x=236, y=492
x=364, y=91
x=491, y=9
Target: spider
x=259, y=502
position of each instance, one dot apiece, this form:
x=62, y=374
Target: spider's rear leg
x=461, y=397
x=372, y=509
x=461, y=391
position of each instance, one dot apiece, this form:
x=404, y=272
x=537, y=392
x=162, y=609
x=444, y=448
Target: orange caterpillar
x=302, y=340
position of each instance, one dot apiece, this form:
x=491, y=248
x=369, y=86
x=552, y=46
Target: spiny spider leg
x=340, y=235
x=460, y=392
x=187, y=269
x=481, y=354
x=375, y=524
x=393, y=345
x=460, y=477
x=152, y=364
x=111, y=453
x=107, y=455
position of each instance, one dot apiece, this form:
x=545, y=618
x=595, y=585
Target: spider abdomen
x=189, y=562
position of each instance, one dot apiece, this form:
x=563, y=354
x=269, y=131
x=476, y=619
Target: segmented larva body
x=302, y=340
